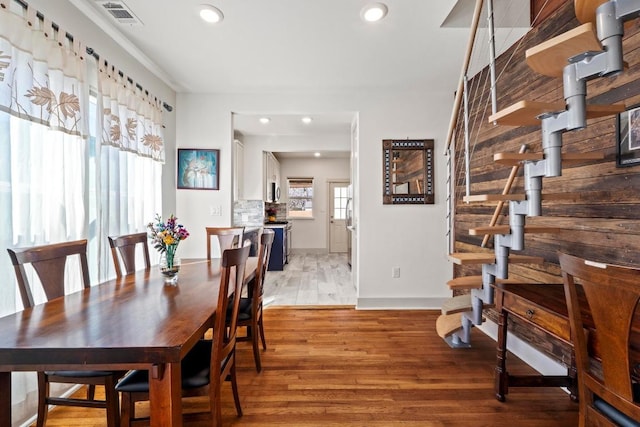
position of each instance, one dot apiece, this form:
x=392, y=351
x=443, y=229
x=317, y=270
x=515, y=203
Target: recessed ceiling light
x=210, y=14
x=264, y=120
x=316, y=154
x=374, y=12
x=306, y=120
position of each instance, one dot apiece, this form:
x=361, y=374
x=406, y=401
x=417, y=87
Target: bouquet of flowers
x=166, y=236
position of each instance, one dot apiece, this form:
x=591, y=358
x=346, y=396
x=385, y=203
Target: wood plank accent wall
x=602, y=219
x=541, y=9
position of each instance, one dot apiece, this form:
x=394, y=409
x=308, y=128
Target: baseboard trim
x=400, y=303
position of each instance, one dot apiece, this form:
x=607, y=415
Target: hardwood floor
x=347, y=367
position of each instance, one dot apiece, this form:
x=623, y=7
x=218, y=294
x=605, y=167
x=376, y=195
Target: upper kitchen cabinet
x=238, y=170
x=271, y=167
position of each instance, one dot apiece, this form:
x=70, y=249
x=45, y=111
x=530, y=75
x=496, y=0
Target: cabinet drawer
x=553, y=323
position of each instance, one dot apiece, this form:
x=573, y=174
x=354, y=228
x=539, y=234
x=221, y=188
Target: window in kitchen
x=300, y=198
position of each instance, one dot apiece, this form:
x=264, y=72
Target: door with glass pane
x=338, y=196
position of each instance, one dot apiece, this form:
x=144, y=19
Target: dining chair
x=126, y=246
x=209, y=362
x=49, y=263
x=251, y=307
x=228, y=237
x=607, y=394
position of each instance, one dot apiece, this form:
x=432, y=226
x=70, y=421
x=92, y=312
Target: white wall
x=410, y=237
x=312, y=233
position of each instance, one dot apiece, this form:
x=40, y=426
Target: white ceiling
x=267, y=46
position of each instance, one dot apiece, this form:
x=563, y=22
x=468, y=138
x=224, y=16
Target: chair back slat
x=266, y=241
x=612, y=293
x=225, y=330
x=228, y=237
x=126, y=246
x=49, y=263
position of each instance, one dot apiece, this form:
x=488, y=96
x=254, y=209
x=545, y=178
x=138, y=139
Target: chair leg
x=43, y=393
x=91, y=392
x=261, y=326
x=127, y=408
x=111, y=401
x=256, y=351
x=234, y=387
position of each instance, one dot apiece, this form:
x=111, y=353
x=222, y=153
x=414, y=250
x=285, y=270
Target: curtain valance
x=42, y=74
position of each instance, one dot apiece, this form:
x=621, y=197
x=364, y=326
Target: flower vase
x=170, y=266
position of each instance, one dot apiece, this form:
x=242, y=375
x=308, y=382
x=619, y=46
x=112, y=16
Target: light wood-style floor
x=311, y=279
x=346, y=367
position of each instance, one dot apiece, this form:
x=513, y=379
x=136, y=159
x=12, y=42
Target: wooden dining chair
x=251, y=307
x=228, y=237
x=608, y=396
x=210, y=362
x=49, y=262
x=126, y=246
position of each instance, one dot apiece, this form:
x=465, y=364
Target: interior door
x=338, y=196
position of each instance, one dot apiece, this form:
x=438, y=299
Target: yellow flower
x=168, y=240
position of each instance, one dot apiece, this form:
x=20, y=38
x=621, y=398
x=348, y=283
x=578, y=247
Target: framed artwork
x=628, y=147
x=198, y=169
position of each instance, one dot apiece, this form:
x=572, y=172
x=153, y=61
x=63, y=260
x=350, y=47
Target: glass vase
x=169, y=267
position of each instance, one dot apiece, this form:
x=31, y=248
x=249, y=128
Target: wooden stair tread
x=470, y=258
x=586, y=10
x=473, y=282
x=512, y=159
x=595, y=111
x=526, y=113
x=506, y=229
x=550, y=57
x=448, y=324
x=494, y=197
x=457, y=304
x=519, y=196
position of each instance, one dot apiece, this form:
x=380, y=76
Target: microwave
x=275, y=192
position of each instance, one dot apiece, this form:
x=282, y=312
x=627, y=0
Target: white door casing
x=338, y=194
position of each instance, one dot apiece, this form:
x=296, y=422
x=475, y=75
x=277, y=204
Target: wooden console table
x=542, y=306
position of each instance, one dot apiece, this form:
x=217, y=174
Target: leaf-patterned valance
x=42, y=74
x=131, y=118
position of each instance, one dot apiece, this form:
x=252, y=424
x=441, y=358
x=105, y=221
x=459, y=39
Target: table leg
x=501, y=375
x=165, y=395
x=5, y=399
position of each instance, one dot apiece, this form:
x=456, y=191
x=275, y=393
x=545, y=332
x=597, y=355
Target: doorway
x=338, y=233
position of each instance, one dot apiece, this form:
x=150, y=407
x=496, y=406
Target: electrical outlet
x=215, y=210
x=395, y=272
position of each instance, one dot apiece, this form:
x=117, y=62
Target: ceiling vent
x=120, y=12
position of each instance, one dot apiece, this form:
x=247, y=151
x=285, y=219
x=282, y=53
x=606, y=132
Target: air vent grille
x=120, y=12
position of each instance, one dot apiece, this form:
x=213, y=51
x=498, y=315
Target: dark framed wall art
x=628, y=131
x=198, y=169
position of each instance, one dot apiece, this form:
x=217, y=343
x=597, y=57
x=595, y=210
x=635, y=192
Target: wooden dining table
x=135, y=322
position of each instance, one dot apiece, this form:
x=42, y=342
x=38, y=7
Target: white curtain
x=64, y=175
x=131, y=152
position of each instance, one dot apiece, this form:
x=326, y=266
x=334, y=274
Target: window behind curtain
x=300, y=197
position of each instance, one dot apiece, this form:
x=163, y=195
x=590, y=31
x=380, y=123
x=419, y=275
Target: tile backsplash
x=280, y=208
x=248, y=212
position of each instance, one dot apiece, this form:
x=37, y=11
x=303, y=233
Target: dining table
x=133, y=322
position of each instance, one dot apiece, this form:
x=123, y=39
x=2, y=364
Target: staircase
x=592, y=50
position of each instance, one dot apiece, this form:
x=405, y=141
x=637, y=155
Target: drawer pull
x=530, y=313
